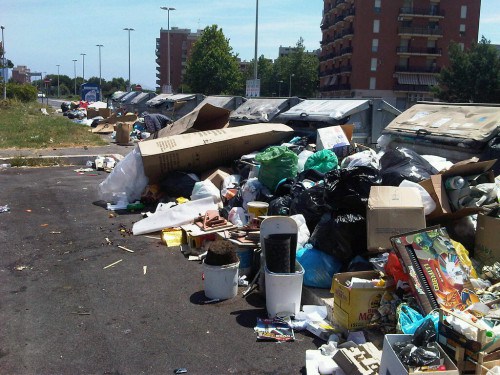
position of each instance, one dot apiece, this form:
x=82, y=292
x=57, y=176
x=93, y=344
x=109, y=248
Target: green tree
x=266, y=74
x=302, y=67
x=473, y=75
x=212, y=68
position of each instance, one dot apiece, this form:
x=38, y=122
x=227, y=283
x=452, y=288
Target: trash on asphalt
x=4, y=208
x=377, y=233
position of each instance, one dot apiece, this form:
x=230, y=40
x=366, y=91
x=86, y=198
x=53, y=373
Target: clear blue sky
x=44, y=33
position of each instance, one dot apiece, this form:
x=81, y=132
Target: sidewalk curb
x=65, y=159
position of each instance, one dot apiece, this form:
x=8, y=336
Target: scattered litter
x=28, y=210
x=108, y=241
x=5, y=165
x=144, y=269
x=5, y=208
x=212, y=301
x=55, y=232
x=80, y=313
x=181, y=370
x=44, y=225
x=273, y=330
x=84, y=170
x=112, y=264
x=21, y=268
x=124, y=248
x=153, y=238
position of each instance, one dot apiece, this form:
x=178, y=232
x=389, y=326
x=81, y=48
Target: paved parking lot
x=63, y=313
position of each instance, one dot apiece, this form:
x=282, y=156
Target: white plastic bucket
x=245, y=255
x=284, y=291
x=257, y=208
x=221, y=282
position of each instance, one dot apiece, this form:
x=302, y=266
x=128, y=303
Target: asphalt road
x=61, y=312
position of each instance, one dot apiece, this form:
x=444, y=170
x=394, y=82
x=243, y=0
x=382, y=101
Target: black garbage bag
x=404, y=164
x=425, y=333
x=340, y=235
x=347, y=189
x=311, y=204
x=280, y=206
x=178, y=184
x=416, y=356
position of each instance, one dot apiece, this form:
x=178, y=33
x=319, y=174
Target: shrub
x=23, y=93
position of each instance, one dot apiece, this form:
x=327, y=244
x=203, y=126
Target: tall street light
x=83, y=64
x=58, y=92
x=100, y=87
x=290, y=88
x=74, y=68
x=168, y=9
x=256, y=38
x=129, y=83
x=279, y=88
x=3, y=66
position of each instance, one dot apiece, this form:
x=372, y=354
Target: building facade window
x=376, y=26
x=373, y=83
x=462, y=29
x=463, y=12
x=377, y=6
x=373, y=65
x=375, y=45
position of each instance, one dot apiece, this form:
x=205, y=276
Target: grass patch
x=20, y=161
x=22, y=125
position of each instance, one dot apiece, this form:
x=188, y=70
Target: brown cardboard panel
x=198, y=152
x=487, y=246
x=392, y=210
x=206, y=117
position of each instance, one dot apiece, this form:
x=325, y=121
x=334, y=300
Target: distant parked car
x=41, y=95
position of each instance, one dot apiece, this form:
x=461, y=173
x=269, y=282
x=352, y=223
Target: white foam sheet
x=178, y=215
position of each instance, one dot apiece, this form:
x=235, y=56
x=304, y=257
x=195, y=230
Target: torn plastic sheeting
x=178, y=215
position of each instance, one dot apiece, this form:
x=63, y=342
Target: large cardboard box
x=435, y=187
x=336, y=138
x=391, y=365
x=354, y=307
x=200, y=151
x=487, y=246
x=392, y=210
x=206, y=117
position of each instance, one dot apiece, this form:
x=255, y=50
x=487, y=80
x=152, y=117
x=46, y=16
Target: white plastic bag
x=368, y=158
x=429, y=204
x=303, y=233
x=237, y=216
x=127, y=176
x=303, y=156
x=204, y=189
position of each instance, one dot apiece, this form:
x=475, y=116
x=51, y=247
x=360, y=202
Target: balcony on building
x=410, y=31
x=411, y=88
x=158, y=75
x=431, y=13
x=417, y=69
x=424, y=51
x=157, y=61
x=341, y=4
x=158, y=82
x=346, y=51
x=346, y=69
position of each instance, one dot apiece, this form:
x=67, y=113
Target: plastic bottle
x=454, y=183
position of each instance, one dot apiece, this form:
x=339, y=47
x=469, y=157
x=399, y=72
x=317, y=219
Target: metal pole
x=83, y=71
x=100, y=87
x=3, y=66
x=58, y=91
x=168, y=9
x=279, y=88
x=129, y=82
x=256, y=38
x=290, y=88
x=74, y=67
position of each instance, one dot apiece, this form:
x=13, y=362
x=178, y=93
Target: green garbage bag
x=276, y=163
x=323, y=161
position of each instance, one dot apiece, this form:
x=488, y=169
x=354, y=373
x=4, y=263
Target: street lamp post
x=290, y=88
x=256, y=38
x=279, y=88
x=168, y=9
x=3, y=66
x=100, y=87
x=83, y=65
x=58, y=91
x=129, y=83
x=74, y=68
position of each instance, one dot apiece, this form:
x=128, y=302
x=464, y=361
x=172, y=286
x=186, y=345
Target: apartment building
x=181, y=43
x=391, y=49
x=21, y=74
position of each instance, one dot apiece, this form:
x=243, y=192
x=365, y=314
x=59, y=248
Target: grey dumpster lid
x=140, y=98
x=260, y=109
x=327, y=110
x=463, y=121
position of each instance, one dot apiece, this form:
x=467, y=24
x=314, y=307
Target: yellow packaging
x=354, y=307
x=172, y=237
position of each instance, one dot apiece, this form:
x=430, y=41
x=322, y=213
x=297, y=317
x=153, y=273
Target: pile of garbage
x=404, y=242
